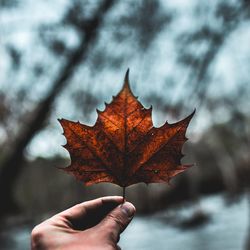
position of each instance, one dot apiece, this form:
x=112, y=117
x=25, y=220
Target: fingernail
x=128, y=209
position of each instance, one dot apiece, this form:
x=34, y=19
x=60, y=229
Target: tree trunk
x=12, y=165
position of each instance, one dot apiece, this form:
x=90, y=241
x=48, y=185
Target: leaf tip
x=192, y=114
x=126, y=81
x=59, y=120
x=188, y=119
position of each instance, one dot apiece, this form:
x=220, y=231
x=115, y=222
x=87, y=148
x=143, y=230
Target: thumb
x=117, y=220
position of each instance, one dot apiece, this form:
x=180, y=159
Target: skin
x=95, y=224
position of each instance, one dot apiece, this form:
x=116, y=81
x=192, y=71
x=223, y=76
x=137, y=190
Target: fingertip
x=128, y=209
x=118, y=199
x=119, y=218
x=80, y=210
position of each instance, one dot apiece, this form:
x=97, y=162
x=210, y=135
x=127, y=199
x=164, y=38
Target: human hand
x=95, y=224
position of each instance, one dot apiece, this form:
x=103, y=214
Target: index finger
x=95, y=210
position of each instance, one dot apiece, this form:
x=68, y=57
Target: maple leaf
x=123, y=147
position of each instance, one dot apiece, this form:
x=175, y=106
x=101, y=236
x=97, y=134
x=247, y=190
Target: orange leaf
x=123, y=147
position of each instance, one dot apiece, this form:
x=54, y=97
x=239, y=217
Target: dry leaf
x=123, y=147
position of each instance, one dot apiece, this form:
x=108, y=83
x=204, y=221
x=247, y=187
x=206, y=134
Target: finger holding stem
x=123, y=194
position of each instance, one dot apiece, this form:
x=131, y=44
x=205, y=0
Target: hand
x=95, y=224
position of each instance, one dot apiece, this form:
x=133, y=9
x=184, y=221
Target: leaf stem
x=124, y=193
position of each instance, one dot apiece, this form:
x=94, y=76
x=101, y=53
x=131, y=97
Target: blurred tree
x=8, y=3
x=228, y=17
x=12, y=164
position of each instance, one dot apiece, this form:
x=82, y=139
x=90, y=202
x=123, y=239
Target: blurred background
x=65, y=58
